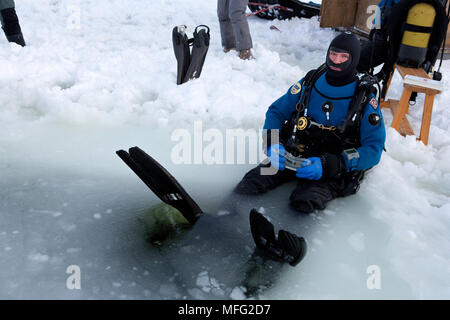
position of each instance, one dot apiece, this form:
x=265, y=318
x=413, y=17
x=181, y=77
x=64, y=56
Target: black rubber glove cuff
x=333, y=166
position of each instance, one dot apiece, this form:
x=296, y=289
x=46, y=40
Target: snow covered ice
x=80, y=91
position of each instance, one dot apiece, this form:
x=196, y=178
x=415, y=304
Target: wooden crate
x=364, y=16
x=338, y=13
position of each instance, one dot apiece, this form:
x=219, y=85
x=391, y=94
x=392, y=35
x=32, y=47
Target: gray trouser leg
x=5, y=4
x=233, y=24
x=226, y=29
x=240, y=24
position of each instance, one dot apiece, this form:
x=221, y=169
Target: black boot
x=287, y=248
x=11, y=26
x=17, y=38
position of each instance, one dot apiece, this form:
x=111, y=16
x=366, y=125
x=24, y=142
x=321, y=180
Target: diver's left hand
x=312, y=171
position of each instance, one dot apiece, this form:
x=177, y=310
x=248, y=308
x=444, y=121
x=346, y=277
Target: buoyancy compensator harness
x=303, y=136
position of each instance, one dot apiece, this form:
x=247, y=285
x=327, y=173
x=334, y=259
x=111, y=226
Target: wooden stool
x=400, y=108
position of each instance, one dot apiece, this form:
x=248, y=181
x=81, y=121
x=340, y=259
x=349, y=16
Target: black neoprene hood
x=344, y=42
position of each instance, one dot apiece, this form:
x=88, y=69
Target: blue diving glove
x=312, y=171
x=276, y=154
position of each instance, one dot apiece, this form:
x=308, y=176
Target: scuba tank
x=416, y=37
x=420, y=36
x=416, y=28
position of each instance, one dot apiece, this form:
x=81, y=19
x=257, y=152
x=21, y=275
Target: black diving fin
x=200, y=48
x=190, y=65
x=287, y=248
x=161, y=182
x=182, y=51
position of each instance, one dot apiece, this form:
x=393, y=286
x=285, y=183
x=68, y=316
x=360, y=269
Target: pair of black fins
x=286, y=248
x=190, y=65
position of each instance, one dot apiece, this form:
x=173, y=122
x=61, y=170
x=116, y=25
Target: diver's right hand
x=276, y=154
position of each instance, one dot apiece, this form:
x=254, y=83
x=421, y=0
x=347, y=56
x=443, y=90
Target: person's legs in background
x=234, y=28
x=226, y=28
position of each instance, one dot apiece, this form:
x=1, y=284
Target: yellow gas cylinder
x=417, y=34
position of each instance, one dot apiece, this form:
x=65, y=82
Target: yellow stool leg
x=426, y=118
x=402, y=109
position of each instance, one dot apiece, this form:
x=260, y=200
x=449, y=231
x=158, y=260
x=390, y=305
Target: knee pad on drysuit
x=311, y=196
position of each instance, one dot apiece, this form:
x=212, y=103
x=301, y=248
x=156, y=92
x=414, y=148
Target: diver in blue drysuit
x=336, y=163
